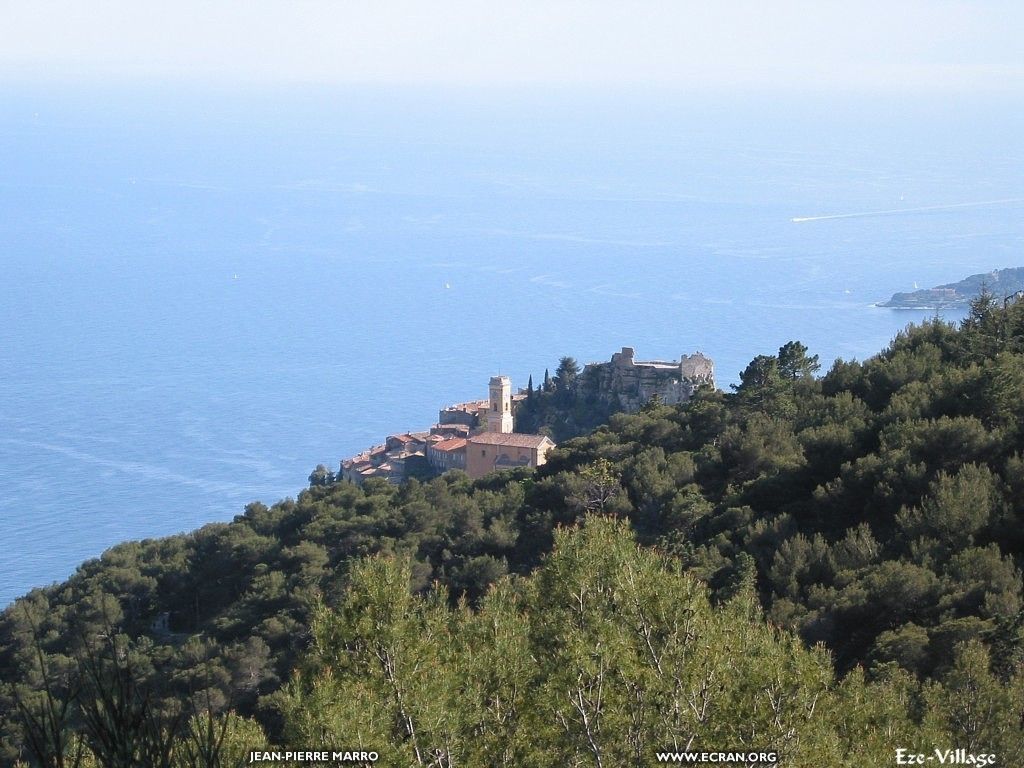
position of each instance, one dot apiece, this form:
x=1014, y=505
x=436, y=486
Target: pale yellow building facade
x=492, y=451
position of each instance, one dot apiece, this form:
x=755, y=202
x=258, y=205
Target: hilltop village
x=479, y=436
x=476, y=437
x=853, y=539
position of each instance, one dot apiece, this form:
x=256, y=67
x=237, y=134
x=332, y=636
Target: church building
x=492, y=451
x=499, y=447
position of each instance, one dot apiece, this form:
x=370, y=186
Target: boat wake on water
x=920, y=209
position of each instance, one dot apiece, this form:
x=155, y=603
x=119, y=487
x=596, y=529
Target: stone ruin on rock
x=628, y=384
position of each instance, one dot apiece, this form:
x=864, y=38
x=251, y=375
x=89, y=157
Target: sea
x=207, y=291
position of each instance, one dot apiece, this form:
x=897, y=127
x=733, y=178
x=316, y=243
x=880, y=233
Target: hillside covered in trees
x=835, y=561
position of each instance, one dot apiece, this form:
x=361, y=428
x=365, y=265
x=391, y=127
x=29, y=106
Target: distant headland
x=1001, y=283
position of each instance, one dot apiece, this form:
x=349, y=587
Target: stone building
x=484, y=415
x=491, y=451
x=627, y=384
x=407, y=442
x=499, y=411
x=447, y=454
x=467, y=414
x=449, y=430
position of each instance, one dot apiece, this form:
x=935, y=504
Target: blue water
x=205, y=294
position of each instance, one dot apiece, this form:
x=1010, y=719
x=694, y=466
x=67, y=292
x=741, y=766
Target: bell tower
x=499, y=410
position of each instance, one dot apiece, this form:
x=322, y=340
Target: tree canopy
x=872, y=519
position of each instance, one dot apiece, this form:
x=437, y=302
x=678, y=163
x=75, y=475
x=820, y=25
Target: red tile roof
x=514, y=439
x=455, y=444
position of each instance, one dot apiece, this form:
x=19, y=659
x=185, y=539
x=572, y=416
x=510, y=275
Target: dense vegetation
x=566, y=405
x=877, y=511
x=605, y=656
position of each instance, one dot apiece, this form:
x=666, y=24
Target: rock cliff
x=625, y=383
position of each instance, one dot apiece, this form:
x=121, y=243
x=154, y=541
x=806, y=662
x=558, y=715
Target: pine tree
x=794, y=362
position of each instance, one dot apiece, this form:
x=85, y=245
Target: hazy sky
x=892, y=44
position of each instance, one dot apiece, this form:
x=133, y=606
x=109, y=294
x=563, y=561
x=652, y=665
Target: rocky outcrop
x=625, y=383
x=1002, y=283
